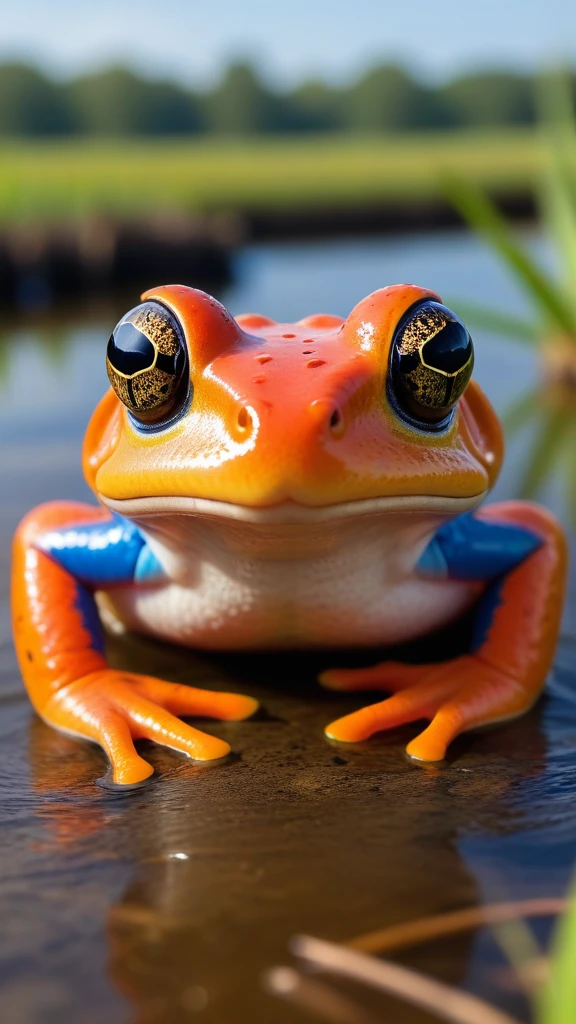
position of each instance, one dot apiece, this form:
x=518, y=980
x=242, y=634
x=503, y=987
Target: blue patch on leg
x=486, y=609
x=104, y=553
x=466, y=548
x=477, y=550
x=432, y=561
x=148, y=569
x=86, y=605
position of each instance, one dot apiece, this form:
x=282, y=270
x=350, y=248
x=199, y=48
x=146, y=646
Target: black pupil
x=450, y=349
x=130, y=351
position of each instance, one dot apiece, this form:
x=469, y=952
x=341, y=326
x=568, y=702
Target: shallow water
x=167, y=904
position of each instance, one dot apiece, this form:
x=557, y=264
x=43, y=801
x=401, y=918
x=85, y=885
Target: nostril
x=328, y=414
x=244, y=418
x=337, y=425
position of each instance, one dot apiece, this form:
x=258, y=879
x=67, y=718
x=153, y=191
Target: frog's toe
x=149, y=720
x=421, y=689
x=387, y=675
x=115, y=738
x=454, y=696
x=180, y=699
x=482, y=696
x=431, y=745
x=418, y=701
x=115, y=708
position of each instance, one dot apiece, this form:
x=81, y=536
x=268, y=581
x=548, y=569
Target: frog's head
x=377, y=408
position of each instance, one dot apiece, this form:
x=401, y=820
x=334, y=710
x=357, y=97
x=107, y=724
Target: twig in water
x=316, y=997
x=412, y=933
x=447, y=1003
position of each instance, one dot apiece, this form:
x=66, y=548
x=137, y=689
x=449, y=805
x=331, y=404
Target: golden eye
x=147, y=360
x=431, y=362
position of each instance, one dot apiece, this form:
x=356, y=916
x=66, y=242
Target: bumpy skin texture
x=287, y=423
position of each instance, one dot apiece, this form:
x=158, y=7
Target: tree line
x=385, y=98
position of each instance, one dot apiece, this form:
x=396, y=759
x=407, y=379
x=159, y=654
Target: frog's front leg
x=63, y=552
x=519, y=550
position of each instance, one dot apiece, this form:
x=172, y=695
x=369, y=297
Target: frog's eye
x=147, y=362
x=431, y=362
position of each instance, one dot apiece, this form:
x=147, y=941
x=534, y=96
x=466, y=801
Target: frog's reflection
x=63, y=775
x=229, y=862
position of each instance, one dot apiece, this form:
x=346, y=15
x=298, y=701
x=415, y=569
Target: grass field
x=70, y=179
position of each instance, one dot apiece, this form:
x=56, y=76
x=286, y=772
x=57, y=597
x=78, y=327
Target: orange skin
x=283, y=415
x=267, y=415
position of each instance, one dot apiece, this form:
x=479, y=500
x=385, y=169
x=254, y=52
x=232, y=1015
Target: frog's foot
x=455, y=696
x=115, y=708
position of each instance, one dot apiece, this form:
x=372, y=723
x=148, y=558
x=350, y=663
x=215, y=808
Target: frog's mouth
x=287, y=512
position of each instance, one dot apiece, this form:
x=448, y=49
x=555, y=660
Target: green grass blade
x=557, y=1001
x=484, y=217
x=558, y=184
x=496, y=322
x=555, y=104
x=546, y=452
x=558, y=207
x=569, y=474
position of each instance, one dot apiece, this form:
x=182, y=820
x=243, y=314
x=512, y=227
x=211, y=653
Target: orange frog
x=266, y=485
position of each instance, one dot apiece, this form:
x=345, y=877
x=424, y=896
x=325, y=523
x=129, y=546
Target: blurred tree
x=491, y=98
x=315, y=107
x=387, y=99
x=384, y=99
x=118, y=102
x=31, y=104
x=242, y=105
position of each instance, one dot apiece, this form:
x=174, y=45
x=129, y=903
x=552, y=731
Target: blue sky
x=289, y=39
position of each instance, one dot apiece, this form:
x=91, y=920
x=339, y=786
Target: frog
x=288, y=486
